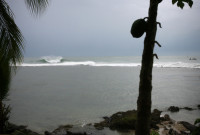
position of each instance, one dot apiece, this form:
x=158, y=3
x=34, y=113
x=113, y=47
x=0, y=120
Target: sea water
x=50, y=91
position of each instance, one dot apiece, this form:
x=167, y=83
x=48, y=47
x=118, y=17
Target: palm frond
x=11, y=39
x=5, y=6
x=37, y=6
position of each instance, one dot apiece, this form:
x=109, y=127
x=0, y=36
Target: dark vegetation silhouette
x=11, y=51
x=145, y=85
x=4, y=87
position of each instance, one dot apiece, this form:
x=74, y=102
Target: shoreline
x=79, y=95
x=114, y=125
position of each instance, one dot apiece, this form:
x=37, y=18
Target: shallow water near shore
x=44, y=97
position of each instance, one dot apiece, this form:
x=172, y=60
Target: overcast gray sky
x=102, y=28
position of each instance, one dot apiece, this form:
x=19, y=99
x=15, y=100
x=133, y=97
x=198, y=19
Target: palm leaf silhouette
x=11, y=50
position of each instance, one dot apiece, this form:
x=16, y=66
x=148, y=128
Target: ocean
x=50, y=91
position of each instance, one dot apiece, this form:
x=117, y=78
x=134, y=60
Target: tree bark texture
x=145, y=85
x=1, y=118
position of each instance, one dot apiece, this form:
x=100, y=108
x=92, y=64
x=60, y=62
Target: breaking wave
x=82, y=63
x=62, y=62
x=177, y=65
x=51, y=59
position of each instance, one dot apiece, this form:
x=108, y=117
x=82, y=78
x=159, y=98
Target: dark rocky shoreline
x=122, y=122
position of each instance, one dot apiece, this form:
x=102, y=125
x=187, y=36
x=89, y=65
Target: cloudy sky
x=102, y=28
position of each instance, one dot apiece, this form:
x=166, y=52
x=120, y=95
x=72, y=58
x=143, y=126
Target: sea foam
x=105, y=64
x=51, y=59
x=60, y=61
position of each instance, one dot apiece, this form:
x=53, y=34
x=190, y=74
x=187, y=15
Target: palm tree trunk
x=145, y=85
x=1, y=118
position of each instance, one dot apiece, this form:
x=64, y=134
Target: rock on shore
x=19, y=130
x=120, y=121
x=170, y=127
x=176, y=109
x=126, y=120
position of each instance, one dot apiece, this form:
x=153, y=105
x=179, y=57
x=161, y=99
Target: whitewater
x=50, y=91
x=163, y=62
